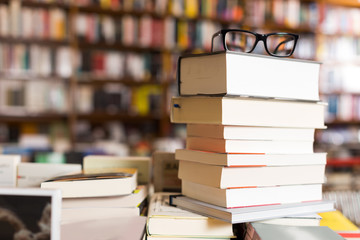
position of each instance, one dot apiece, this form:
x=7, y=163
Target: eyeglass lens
x=280, y=44
x=240, y=41
x=277, y=44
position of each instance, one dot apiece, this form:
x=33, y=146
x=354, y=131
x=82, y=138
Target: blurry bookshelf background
x=96, y=76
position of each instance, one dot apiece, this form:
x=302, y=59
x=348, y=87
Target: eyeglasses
x=276, y=44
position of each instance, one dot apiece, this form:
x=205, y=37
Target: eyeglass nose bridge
x=260, y=37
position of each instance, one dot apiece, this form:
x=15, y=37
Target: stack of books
x=250, y=121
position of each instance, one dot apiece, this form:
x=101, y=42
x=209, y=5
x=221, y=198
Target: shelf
x=343, y=162
x=125, y=81
x=124, y=117
x=25, y=118
x=44, y=4
x=27, y=41
x=130, y=48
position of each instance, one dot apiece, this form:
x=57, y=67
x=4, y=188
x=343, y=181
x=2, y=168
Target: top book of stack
x=241, y=74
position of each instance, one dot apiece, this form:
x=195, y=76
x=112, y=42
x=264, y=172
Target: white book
x=8, y=170
x=248, y=146
x=243, y=159
x=242, y=74
x=235, y=177
x=247, y=112
x=33, y=174
x=168, y=221
x=249, y=133
x=250, y=214
x=252, y=196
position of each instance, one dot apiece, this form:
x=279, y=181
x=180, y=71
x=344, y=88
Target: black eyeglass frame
x=259, y=37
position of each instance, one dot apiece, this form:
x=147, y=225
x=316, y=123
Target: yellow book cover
x=337, y=221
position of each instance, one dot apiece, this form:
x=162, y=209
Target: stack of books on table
x=99, y=194
x=249, y=153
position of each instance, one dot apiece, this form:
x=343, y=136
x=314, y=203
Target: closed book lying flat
x=95, y=183
x=243, y=159
x=247, y=112
x=250, y=214
x=233, y=177
x=263, y=231
x=249, y=133
x=243, y=74
x=123, y=201
x=248, y=146
x=252, y=196
x=168, y=221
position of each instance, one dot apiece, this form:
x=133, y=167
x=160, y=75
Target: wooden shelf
x=124, y=117
x=38, y=118
x=27, y=41
x=343, y=162
x=125, y=81
x=44, y=4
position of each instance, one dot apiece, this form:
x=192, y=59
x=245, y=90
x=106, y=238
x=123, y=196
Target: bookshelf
x=126, y=52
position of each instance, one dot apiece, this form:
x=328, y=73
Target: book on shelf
x=250, y=214
x=8, y=169
x=33, y=174
x=169, y=221
x=252, y=196
x=262, y=231
x=248, y=146
x=230, y=73
x=141, y=163
x=250, y=176
x=249, y=133
x=247, y=111
x=95, y=183
x=249, y=159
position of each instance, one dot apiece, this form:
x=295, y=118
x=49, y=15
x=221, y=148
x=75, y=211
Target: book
x=249, y=133
x=296, y=220
x=168, y=221
x=165, y=176
x=248, y=146
x=249, y=159
x=250, y=214
x=338, y=222
x=123, y=227
x=262, y=231
x=112, y=182
x=135, y=199
x=33, y=174
x=251, y=176
x=74, y=215
x=142, y=164
x=8, y=169
x=30, y=213
x=242, y=74
x=247, y=112
x=252, y=196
